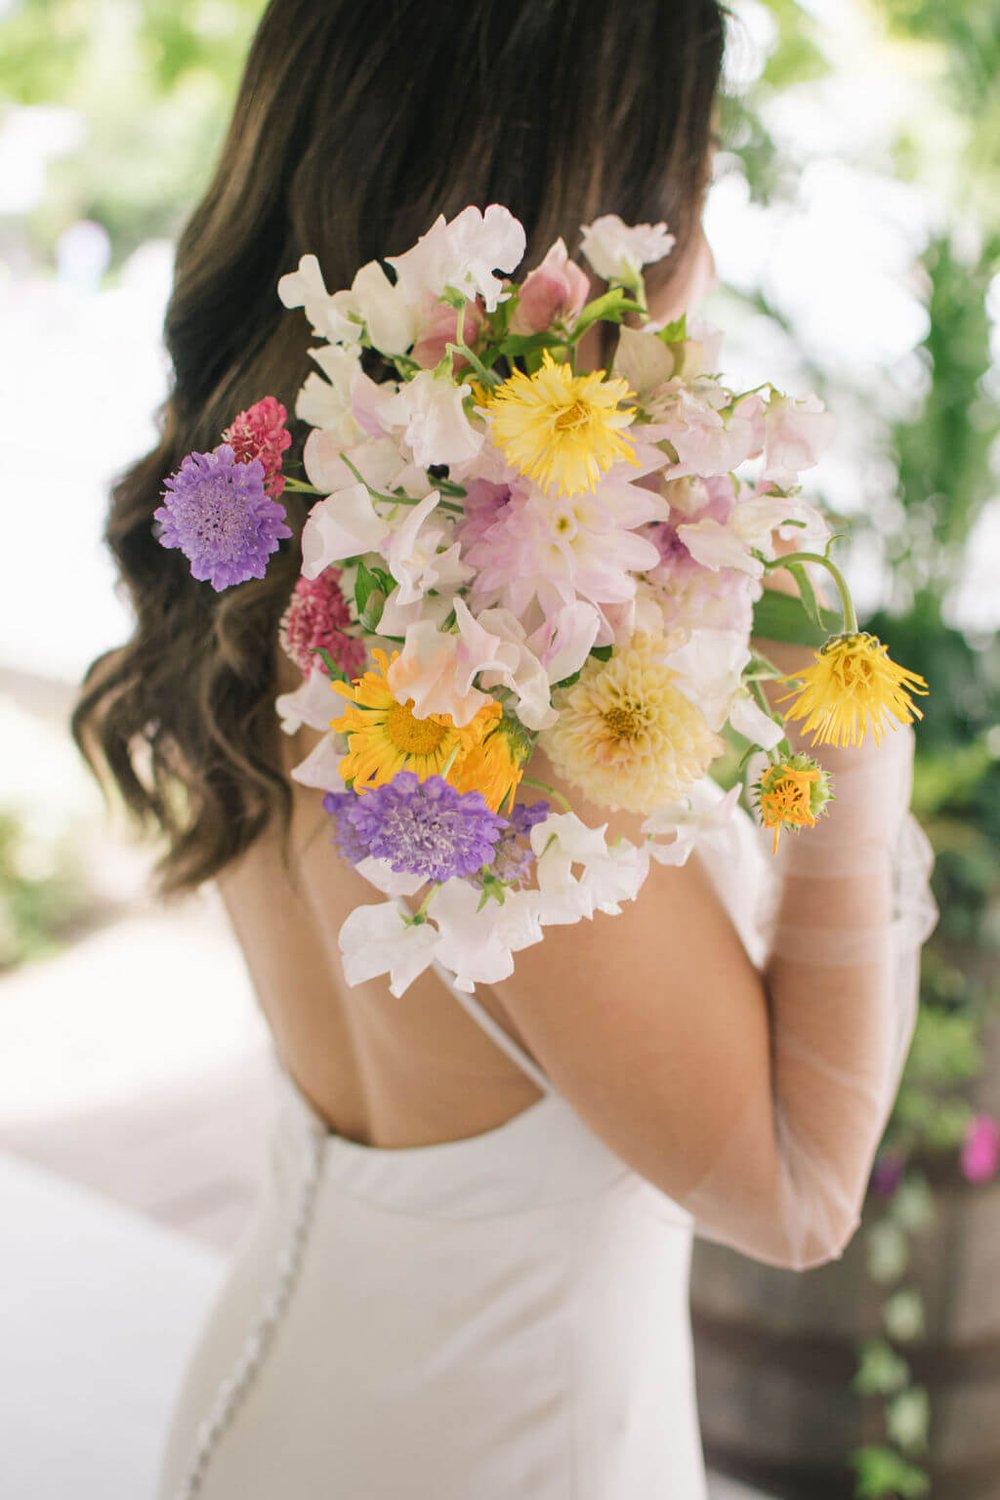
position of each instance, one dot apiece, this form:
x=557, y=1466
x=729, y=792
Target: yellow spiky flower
x=792, y=793
x=560, y=429
x=495, y=765
x=850, y=688
x=626, y=735
x=385, y=736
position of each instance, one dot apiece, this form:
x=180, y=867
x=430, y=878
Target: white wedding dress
x=503, y=1317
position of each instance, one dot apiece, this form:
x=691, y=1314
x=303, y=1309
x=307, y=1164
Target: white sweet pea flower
x=529, y=665
x=377, y=940
x=463, y=254
x=335, y=317
x=609, y=874
x=380, y=874
x=703, y=815
x=618, y=251
x=431, y=671
x=397, y=618
x=796, y=431
x=321, y=767
x=748, y=529
x=345, y=524
x=327, y=403
x=390, y=318
x=313, y=703
x=478, y=946
x=415, y=561
x=709, y=439
x=709, y=667
x=749, y=719
x=435, y=428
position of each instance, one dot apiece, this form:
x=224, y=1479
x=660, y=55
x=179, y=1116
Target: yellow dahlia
x=791, y=794
x=561, y=429
x=626, y=735
x=384, y=736
x=850, y=687
x=494, y=766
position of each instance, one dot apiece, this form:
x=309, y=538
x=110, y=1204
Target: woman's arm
x=755, y=1099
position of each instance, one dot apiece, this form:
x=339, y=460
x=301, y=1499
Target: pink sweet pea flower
x=981, y=1149
x=554, y=291
x=438, y=327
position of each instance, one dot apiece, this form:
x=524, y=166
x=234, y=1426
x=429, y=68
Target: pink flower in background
x=260, y=432
x=796, y=431
x=317, y=617
x=981, y=1149
x=554, y=291
x=887, y=1174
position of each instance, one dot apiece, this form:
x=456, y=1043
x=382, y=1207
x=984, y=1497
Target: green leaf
x=603, y=653
x=903, y=1315
x=337, y=674
x=881, y=1371
x=675, y=332
x=611, y=307
x=782, y=617
x=367, y=581
x=516, y=345
x=907, y=1419
x=806, y=593
x=882, y=1474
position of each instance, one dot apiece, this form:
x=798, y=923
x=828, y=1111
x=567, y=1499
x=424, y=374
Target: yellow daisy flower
x=561, y=429
x=626, y=736
x=850, y=687
x=494, y=766
x=791, y=794
x=384, y=736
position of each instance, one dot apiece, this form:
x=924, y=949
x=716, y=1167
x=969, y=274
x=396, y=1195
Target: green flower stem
x=420, y=915
x=543, y=786
x=848, y=611
x=486, y=376
x=300, y=486
x=393, y=499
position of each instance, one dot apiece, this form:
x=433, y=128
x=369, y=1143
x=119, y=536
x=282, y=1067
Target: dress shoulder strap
x=495, y=1031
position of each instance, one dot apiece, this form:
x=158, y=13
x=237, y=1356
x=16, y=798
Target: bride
x=467, y=1272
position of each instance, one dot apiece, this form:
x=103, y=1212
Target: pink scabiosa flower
x=260, y=432
x=981, y=1149
x=216, y=511
x=317, y=618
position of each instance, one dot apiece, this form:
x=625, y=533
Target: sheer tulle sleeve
x=836, y=924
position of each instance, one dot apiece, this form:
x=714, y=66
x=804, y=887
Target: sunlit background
x=855, y=220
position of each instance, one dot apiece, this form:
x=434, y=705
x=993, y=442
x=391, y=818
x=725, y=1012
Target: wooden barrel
x=776, y=1352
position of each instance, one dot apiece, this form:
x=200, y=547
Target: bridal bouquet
x=506, y=550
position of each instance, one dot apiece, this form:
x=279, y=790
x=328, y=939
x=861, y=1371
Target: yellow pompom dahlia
x=560, y=429
x=626, y=735
x=850, y=688
x=385, y=736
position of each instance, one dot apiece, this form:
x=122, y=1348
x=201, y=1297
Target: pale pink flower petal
x=555, y=291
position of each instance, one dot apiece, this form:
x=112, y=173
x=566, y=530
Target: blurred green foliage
x=153, y=84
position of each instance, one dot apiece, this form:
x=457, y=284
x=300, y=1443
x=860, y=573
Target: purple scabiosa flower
x=426, y=827
x=217, y=512
x=338, y=805
x=514, y=856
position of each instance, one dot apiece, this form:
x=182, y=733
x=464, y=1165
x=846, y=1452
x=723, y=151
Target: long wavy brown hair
x=354, y=127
